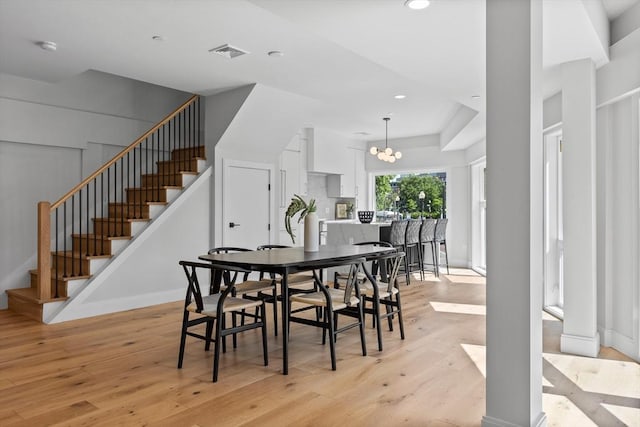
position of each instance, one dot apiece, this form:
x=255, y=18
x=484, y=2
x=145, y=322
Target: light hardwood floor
x=120, y=369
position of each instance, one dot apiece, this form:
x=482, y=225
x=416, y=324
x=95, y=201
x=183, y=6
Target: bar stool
x=441, y=239
x=397, y=236
x=427, y=237
x=411, y=246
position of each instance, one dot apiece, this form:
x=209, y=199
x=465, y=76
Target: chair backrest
x=269, y=247
x=375, y=243
x=392, y=264
x=397, y=233
x=412, y=236
x=228, y=278
x=194, y=293
x=441, y=229
x=428, y=230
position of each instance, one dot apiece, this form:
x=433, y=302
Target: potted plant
x=307, y=212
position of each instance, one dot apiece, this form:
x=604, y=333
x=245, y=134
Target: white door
x=246, y=209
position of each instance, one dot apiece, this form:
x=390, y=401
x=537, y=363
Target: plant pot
x=311, y=233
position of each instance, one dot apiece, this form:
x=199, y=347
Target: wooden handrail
x=121, y=154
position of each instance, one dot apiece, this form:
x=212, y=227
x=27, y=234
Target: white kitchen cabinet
x=327, y=152
x=344, y=185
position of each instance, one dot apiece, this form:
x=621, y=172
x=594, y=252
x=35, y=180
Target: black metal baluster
x=55, y=262
x=73, y=210
x=108, y=201
x=122, y=207
x=79, y=231
x=95, y=223
x=88, y=189
x=64, y=243
x=155, y=188
x=95, y=212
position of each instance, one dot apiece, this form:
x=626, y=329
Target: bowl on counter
x=365, y=217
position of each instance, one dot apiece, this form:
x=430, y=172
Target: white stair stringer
x=82, y=301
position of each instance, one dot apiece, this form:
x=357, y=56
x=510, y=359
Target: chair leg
x=234, y=323
x=275, y=312
x=216, y=353
x=436, y=268
x=378, y=320
x=332, y=344
x=446, y=255
x=183, y=338
x=208, y=333
x=420, y=261
x=362, y=338
x=400, y=322
x=263, y=317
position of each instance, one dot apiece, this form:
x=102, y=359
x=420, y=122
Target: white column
x=514, y=214
x=580, y=334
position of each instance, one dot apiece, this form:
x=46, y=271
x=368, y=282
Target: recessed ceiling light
x=475, y=96
x=159, y=38
x=400, y=96
x=50, y=46
x=275, y=54
x=417, y=4
x=362, y=133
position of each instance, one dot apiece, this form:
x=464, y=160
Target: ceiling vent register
x=228, y=51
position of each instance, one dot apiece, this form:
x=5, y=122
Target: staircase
x=80, y=233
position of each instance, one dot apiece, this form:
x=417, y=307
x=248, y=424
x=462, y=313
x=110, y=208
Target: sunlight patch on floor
x=612, y=377
x=449, y=307
x=561, y=412
x=629, y=416
x=478, y=355
x=599, y=376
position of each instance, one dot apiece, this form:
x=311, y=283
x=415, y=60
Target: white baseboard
x=622, y=343
x=580, y=345
x=541, y=421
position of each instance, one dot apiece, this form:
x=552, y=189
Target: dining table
x=287, y=261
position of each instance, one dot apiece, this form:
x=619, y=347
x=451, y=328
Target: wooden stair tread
x=31, y=295
x=162, y=187
x=108, y=219
x=170, y=173
x=78, y=255
x=101, y=237
x=137, y=204
x=182, y=160
x=63, y=278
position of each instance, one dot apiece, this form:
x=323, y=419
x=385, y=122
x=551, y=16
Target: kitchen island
x=349, y=232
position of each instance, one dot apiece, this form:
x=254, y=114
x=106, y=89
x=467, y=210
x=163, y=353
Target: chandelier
x=387, y=153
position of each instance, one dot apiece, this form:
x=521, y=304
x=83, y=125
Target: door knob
x=233, y=224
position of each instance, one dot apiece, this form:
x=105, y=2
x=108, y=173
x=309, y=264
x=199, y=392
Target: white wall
x=618, y=193
x=50, y=136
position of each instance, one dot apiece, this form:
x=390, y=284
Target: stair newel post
x=44, y=251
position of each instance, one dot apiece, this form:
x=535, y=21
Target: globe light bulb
x=388, y=151
x=373, y=150
x=398, y=155
x=392, y=159
x=381, y=155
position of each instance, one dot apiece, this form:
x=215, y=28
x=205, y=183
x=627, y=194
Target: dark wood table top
x=294, y=259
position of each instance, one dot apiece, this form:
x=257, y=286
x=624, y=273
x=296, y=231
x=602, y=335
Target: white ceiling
x=351, y=57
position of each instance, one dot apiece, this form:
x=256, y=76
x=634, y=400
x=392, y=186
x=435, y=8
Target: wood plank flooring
x=120, y=369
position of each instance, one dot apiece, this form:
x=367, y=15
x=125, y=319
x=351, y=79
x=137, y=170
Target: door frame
x=226, y=191
x=552, y=223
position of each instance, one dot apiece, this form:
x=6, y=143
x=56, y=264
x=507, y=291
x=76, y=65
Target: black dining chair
x=262, y=289
x=212, y=309
x=380, y=287
x=333, y=302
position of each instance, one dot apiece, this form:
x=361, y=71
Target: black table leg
x=284, y=291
